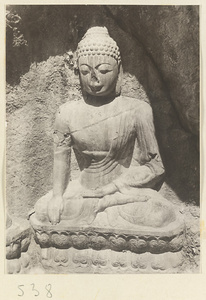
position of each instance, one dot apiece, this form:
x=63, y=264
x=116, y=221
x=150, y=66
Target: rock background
x=160, y=55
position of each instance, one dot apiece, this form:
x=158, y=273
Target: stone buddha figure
x=113, y=138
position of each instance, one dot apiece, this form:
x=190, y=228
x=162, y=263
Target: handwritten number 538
x=35, y=292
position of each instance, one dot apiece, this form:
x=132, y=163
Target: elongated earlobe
x=119, y=81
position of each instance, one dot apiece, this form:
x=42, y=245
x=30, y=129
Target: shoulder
x=66, y=110
x=68, y=106
x=140, y=107
x=62, y=117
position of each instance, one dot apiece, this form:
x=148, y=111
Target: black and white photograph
x=102, y=139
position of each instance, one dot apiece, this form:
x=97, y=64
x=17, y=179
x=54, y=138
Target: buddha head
x=99, y=63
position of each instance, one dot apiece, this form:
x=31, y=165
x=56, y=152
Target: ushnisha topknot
x=97, y=41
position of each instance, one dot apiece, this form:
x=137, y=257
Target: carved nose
x=94, y=77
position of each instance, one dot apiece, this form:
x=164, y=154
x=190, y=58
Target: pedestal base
x=63, y=261
x=135, y=238
x=106, y=249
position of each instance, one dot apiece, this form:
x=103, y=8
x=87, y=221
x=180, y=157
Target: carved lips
x=95, y=88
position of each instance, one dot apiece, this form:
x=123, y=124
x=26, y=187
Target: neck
x=98, y=100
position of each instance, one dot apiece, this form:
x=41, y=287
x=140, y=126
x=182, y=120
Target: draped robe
x=116, y=146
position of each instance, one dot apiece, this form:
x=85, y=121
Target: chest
x=94, y=128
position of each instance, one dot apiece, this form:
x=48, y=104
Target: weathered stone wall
x=159, y=47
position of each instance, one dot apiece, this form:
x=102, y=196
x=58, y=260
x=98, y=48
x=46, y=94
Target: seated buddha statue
x=113, y=138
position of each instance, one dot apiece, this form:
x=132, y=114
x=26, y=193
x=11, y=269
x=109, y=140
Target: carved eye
x=103, y=69
x=84, y=72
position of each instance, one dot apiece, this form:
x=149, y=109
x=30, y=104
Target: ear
x=76, y=64
x=119, y=80
x=84, y=93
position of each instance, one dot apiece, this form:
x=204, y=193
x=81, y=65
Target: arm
x=146, y=170
x=61, y=169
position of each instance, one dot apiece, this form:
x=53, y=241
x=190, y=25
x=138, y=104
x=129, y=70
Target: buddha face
x=98, y=74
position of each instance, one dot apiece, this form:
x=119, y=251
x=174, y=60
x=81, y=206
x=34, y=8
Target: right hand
x=55, y=209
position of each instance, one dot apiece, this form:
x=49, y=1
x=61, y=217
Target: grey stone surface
x=160, y=55
x=159, y=47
